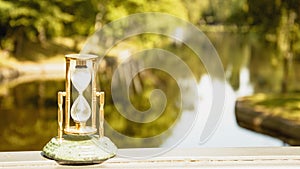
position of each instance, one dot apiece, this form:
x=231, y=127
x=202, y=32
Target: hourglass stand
x=80, y=143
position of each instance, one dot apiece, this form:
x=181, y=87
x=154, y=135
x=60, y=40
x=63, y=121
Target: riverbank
x=30, y=72
x=38, y=59
x=17, y=69
x=14, y=72
x=277, y=115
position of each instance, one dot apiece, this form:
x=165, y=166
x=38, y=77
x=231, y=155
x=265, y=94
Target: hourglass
x=77, y=140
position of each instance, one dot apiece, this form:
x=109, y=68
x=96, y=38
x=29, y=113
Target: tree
x=39, y=21
x=32, y=20
x=277, y=23
x=115, y=9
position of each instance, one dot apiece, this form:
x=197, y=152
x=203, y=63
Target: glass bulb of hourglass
x=81, y=78
x=80, y=110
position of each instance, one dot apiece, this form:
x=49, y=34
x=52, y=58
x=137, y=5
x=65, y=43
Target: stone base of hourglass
x=80, y=149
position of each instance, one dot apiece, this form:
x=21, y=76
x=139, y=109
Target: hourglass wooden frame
x=64, y=117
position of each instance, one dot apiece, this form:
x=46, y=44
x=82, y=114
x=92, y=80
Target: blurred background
x=258, y=43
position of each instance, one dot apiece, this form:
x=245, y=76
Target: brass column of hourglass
x=80, y=139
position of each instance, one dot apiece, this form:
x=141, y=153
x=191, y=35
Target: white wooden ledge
x=271, y=157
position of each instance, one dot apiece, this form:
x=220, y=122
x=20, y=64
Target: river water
x=228, y=133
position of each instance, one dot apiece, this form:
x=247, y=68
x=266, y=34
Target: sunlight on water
x=245, y=86
x=228, y=133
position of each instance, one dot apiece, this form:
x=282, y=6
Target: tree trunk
x=284, y=83
x=18, y=44
x=285, y=46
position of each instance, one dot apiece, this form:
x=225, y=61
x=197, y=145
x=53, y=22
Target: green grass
x=284, y=105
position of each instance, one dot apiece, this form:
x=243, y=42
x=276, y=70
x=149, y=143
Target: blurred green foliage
x=40, y=21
